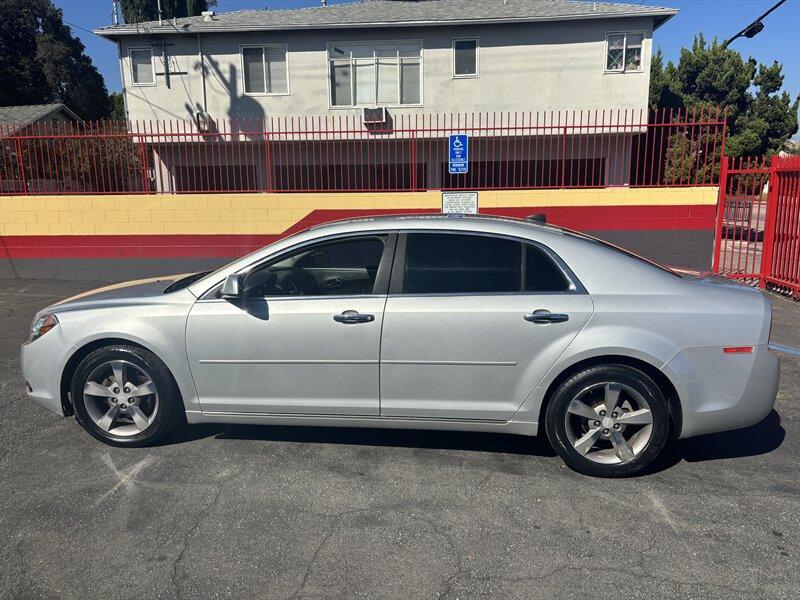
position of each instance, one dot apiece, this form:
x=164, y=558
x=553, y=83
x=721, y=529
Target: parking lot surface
x=275, y=512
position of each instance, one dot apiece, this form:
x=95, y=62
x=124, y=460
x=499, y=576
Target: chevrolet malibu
x=432, y=322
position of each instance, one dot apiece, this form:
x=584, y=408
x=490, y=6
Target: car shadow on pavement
x=401, y=438
x=761, y=438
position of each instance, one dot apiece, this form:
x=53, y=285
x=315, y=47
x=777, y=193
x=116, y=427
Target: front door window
x=336, y=268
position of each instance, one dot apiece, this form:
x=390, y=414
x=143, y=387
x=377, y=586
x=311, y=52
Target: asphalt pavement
x=278, y=512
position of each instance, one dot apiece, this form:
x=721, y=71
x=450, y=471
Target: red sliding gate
x=758, y=223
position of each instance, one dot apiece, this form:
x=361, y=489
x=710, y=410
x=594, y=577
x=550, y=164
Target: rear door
x=472, y=323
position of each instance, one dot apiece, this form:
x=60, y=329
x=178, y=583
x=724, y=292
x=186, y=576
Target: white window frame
x=152, y=65
x=624, y=51
x=477, y=41
x=285, y=48
x=375, y=104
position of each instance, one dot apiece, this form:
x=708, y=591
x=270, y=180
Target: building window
x=142, y=66
x=465, y=57
x=624, y=52
x=368, y=74
x=265, y=69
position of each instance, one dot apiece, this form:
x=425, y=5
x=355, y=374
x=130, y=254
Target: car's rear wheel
x=608, y=421
x=125, y=396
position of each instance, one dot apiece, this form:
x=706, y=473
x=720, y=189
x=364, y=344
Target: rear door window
x=541, y=273
x=454, y=263
x=447, y=263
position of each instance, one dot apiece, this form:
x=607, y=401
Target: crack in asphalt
x=176, y=582
x=447, y=586
x=336, y=523
x=315, y=555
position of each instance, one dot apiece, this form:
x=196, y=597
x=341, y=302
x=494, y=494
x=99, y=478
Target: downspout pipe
x=122, y=80
x=202, y=72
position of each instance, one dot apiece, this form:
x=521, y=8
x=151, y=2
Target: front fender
x=160, y=329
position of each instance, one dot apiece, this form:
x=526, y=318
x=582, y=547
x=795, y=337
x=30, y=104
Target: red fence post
x=145, y=178
x=413, y=138
x=723, y=185
x=769, y=224
x=721, y=143
x=21, y=164
x=563, y=153
x=268, y=166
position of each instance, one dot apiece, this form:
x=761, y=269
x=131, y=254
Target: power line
x=79, y=27
x=753, y=28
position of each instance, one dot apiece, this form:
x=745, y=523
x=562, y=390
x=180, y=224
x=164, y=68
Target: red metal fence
x=522, y=150
x=758, y=222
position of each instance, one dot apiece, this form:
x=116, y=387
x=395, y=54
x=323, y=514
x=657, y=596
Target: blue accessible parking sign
x=459, y=154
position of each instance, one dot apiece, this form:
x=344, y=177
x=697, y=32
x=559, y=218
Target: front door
x=474, y=325
x=306, y=338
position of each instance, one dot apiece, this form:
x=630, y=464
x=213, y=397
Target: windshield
x=185, y=282
x=210, y=274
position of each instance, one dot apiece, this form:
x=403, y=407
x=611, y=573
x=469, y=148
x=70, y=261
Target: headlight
x=41, y=325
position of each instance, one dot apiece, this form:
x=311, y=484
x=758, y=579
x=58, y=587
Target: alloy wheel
x=121, y=398
x=609, y=423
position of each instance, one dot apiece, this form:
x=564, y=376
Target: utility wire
x=79, y=27
x=753, y=28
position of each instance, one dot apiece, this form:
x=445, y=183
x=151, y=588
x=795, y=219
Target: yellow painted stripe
x=271, y=214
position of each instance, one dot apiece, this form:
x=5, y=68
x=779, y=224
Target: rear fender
x=651, y=348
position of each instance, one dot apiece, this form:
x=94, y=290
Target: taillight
x=738, y=350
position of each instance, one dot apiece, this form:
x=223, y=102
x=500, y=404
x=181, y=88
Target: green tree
x=41, y=61
x=760, y=117
x=138, y=11
x=117, y=106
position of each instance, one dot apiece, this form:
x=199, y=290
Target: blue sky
x=780, y=39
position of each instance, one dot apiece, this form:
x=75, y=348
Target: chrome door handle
x=542, y=317
x=353, y=316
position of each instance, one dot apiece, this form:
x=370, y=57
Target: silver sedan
x=470, y=323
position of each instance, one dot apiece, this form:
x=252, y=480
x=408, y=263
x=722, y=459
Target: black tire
x=170, y=406
x=556, y=427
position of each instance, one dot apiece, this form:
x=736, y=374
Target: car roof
x=411, y=221
x=570, y=246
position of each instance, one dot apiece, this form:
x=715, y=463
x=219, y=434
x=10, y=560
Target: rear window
x=627, y=253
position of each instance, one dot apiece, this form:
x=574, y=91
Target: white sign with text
x=462, y=203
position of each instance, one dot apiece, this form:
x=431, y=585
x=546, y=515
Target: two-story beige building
x=405, y=57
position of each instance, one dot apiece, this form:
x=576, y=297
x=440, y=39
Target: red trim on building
x=583, y=218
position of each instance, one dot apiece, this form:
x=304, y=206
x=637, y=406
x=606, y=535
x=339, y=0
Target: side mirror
x=232, y=289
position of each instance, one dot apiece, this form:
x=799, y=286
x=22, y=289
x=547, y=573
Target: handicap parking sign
x=459, y=154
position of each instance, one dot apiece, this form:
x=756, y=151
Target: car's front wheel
x=125, y=396
x=608, y=421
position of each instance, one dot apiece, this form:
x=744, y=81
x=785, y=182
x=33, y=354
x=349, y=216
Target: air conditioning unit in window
x=374, y=116
x=203, y=121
